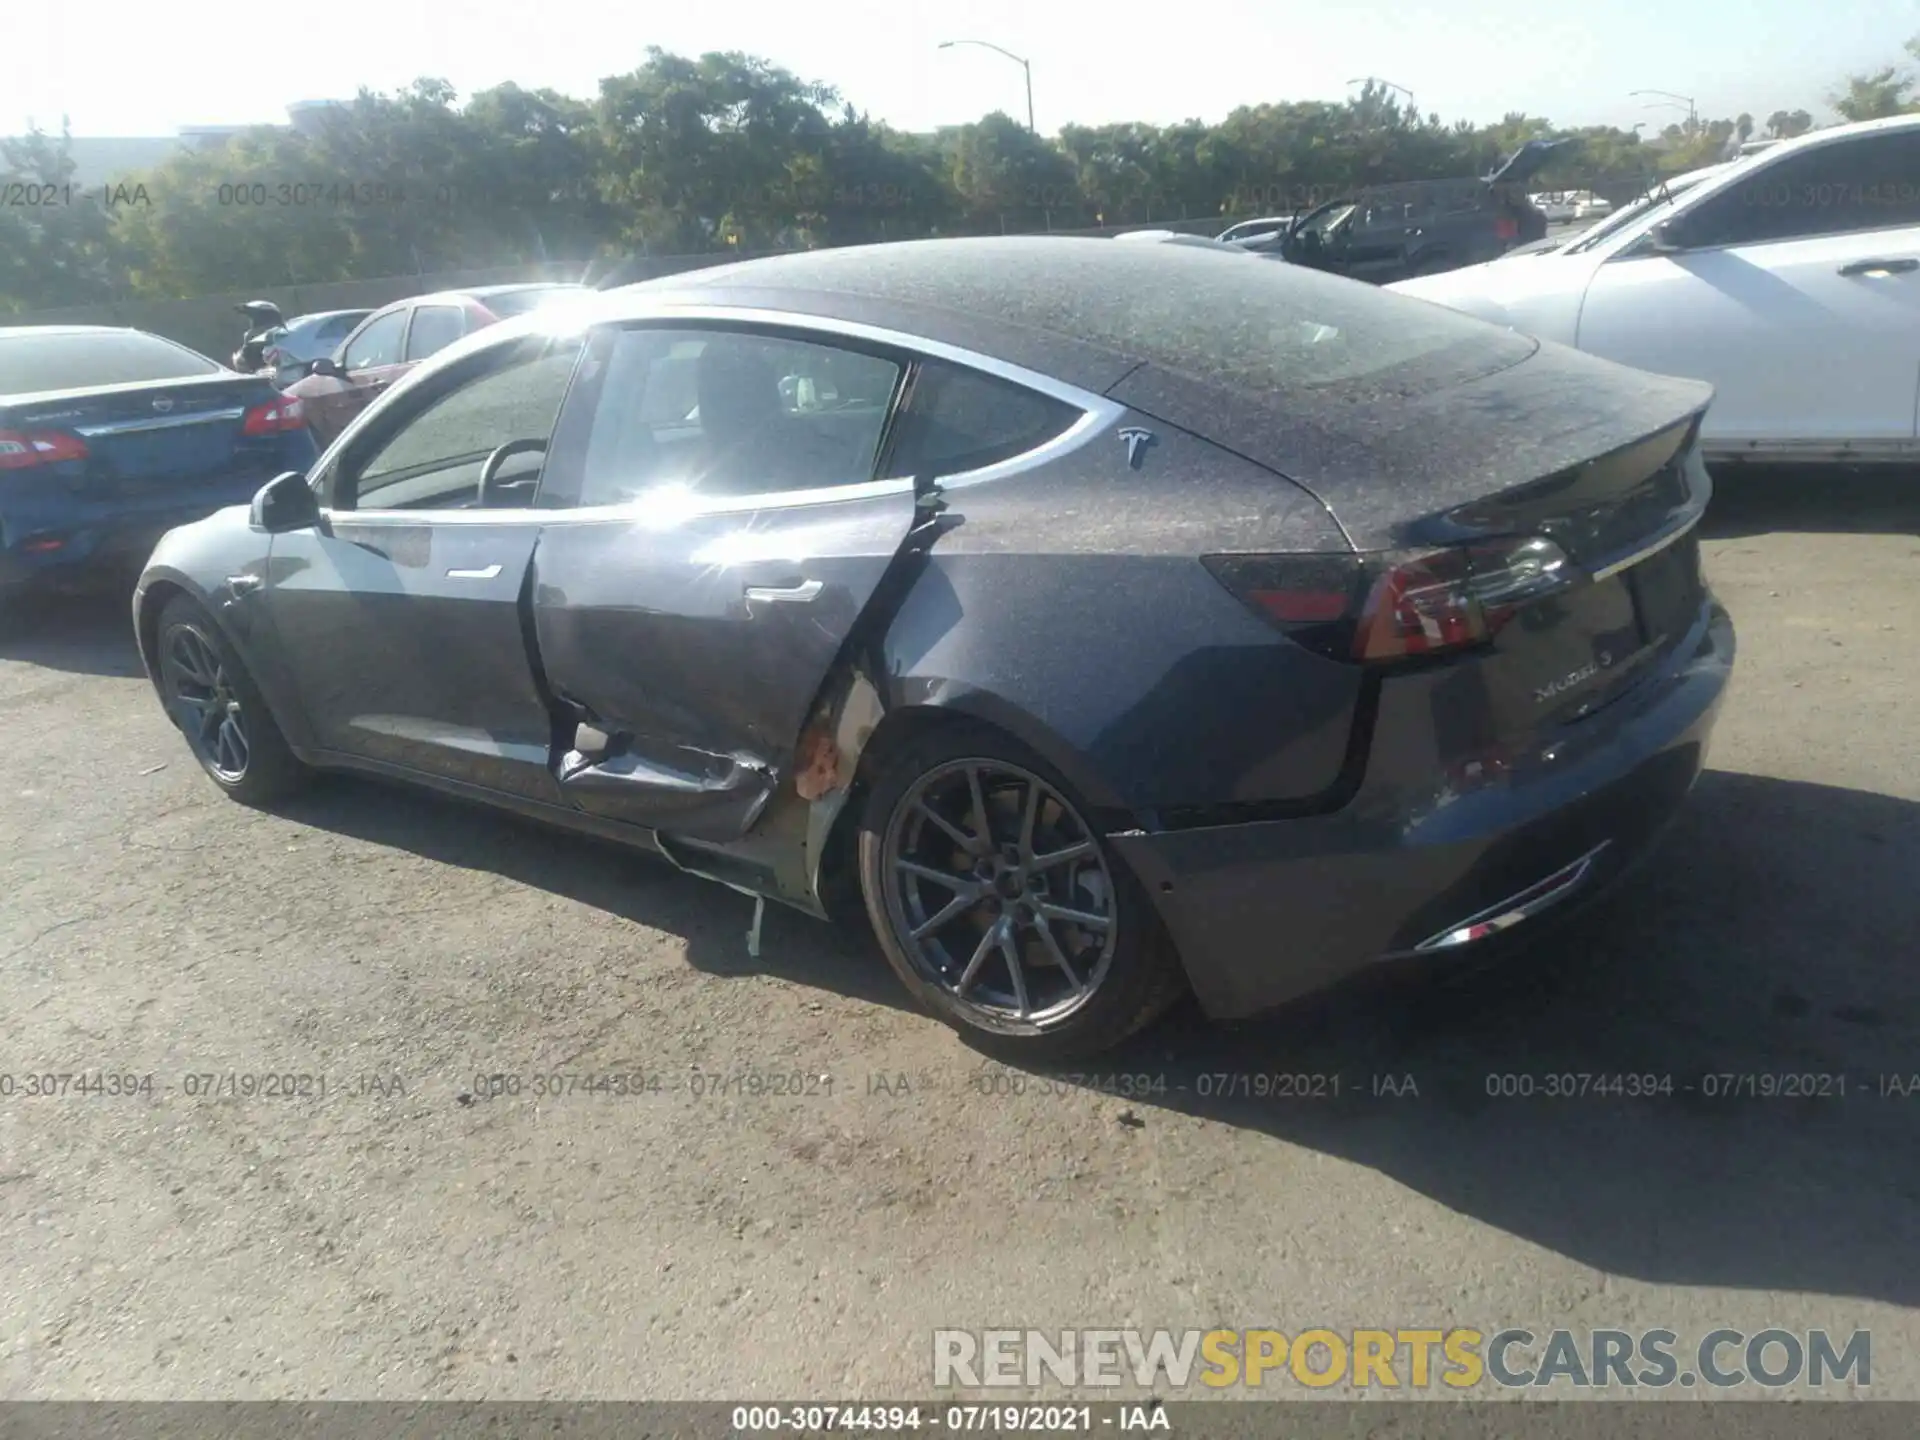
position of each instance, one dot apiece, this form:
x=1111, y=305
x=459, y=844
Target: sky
x=150, y=69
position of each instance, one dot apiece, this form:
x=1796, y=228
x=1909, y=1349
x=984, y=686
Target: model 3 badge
x=1567, y=682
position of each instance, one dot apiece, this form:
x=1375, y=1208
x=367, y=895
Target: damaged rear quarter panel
x=1067, y=606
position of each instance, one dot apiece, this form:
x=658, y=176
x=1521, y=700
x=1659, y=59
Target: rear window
x=519, y=302
x=1225, y=319
x=1264, y=327
x=340, y=326
x=32, y=362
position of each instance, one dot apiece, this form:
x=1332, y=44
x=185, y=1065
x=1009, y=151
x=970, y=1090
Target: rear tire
x=1035, y=942
x=212, y=699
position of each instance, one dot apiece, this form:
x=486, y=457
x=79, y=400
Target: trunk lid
x=1596, y=458
x=157, y=438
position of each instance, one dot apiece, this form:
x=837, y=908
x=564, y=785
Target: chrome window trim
x=636, y=510
x=856, y=330
x=1097, y=413
x=167, y=422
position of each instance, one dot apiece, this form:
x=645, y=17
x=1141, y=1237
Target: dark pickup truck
x=1422, y=227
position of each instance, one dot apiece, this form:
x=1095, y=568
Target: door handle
x=785, y=594
x=1901, y=266
x=487, y=572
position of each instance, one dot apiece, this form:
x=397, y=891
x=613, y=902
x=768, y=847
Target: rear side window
x=959, y=420
x=49, y=360
x=725, y=413
x=434, y=328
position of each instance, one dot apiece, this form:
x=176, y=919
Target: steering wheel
x=486, y=493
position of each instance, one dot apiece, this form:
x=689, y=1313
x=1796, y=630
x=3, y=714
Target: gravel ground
x=405, y=1236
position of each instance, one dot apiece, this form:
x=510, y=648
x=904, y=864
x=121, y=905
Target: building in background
x=99, y=159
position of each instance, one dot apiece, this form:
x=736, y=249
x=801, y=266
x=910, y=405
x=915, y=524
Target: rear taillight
x=1396, y=605
x=275, y=417
x=23, y=449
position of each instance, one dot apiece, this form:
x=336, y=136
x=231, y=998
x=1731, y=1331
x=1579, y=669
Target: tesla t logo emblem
x=163, y=406
x=1136, y=441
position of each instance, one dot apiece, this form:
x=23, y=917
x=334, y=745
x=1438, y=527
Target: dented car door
x=722, y=531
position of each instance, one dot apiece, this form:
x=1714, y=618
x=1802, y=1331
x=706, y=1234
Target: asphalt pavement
x=800, y=1179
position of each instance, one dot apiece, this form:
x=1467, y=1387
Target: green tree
x=1006, y=178
x=1886, y=91
x=57, y=244
x=722, y=149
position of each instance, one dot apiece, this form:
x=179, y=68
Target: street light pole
x=1693, y=115
x=1028, y=69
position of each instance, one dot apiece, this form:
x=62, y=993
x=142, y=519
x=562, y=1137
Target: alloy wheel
x=204, y=704
x=998, y=893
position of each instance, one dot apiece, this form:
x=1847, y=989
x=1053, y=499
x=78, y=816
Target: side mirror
x=327, y=365
x=284, y=503
x=1666, y=238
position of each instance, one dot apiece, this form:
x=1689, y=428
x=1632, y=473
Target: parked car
x=1789, y=279
x=1101, y=642
x=1557, y=207
x=1177, y=237
x=1592, y=207
x=391, y=341
x=109, y=437
x=1421, y=227
x=1264, y=227
x=292, y=349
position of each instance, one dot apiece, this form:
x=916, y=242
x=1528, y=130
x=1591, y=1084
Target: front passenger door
x=371, y=359
x=401, y=612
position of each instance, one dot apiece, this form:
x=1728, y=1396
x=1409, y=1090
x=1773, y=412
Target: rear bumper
x=1264, y=913
x=59, y=532
x=121, y=541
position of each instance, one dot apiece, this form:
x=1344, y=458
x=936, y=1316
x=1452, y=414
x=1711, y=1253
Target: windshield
x=1324, y=223
x=1627, y=215
x=44, y=360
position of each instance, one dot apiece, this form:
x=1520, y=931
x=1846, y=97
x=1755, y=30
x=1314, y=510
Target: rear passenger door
x=715, y=531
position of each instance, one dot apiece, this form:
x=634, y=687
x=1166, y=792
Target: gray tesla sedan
x=1109, y=619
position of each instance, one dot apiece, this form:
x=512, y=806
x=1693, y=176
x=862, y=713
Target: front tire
x=213, y=700
x=1001, y=908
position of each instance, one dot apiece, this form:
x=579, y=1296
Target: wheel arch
x=158, y=589
x=911, y=709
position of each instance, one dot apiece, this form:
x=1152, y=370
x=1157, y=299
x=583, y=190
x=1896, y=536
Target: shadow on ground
x=632, y=885
x=1759, y=499
x=1770, y=936
x=83, y=632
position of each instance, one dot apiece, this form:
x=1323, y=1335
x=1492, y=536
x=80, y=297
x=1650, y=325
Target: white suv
x=1789, y=279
